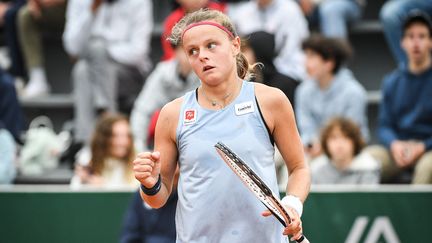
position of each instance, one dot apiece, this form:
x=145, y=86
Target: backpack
x=42, y=148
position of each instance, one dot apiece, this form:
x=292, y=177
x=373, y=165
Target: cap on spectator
x=418, y=16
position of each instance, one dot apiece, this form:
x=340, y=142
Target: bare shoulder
x=269, y=97
x=169, y=115
x=274, y=105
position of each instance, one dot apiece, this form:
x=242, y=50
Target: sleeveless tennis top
x=214, y=206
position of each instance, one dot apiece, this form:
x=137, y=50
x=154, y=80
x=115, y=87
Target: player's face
x=417, y=43
x=340, y=147
x=316, y=67
x=211, y=53
x=120, y=140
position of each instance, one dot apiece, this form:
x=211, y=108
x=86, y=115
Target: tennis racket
x=256, y=185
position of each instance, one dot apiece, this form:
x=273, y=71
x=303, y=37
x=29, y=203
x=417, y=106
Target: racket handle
x=302, y=239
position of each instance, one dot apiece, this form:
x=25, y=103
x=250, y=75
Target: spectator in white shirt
x=110, y=40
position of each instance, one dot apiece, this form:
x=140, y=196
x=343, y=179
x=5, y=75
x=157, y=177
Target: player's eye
x=193, y=52
x=211, y=45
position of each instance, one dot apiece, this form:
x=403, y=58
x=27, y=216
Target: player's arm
x=279, y=116
x=149, y=166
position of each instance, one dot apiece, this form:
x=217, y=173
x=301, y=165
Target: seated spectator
x=110, y=41
x=142, y=223
x=344, y=163
x=333, y=91
x=260, y=47
x=11, y=116
x=185, y=6
x=11, y=127
x=333, y=16
x=34, y=17
x=405, y=115
x=111, y=155
x=8, y=20
x=169, y=80
x=392, y=15
x=285, y=20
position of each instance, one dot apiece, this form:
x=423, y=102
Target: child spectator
x=111, y=153
x=333, y=91
x=344, y=163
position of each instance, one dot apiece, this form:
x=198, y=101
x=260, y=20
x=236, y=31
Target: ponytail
x=244, y=70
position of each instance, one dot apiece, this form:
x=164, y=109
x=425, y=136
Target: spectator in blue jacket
x=405, y=118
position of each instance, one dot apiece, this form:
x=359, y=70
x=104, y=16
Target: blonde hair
x=243, y=68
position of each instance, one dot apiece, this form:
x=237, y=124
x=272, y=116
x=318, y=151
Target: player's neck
x=221, y=95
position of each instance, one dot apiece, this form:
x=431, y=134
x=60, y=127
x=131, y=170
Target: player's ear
x=236, y=44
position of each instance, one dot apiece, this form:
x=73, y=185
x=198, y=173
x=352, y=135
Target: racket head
x=254, y=183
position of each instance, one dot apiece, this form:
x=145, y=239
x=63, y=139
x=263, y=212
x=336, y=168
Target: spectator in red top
x=186, y=6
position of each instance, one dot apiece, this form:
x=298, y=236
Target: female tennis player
x=213, y=204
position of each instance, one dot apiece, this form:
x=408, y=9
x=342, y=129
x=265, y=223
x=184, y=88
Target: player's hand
x=146, y=167
x=294, y=228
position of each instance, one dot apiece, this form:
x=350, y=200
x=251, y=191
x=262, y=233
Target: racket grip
x=302, y=239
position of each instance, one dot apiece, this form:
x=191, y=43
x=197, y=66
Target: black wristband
x=155, y=189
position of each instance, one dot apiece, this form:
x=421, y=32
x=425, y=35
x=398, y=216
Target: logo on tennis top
x=244, y=108
x=189, y=117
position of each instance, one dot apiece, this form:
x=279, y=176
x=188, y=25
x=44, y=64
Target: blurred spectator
x=111, y=155
x=110, y=39
x=260, y=47
x=11, y=116
x=8, y=19
x=405, y=117
x=11, y=126
x=169, y=80
x=185, y=6
x=333, y=91
x=8, y=156
x=35, y=16
x=333, y=16
x=344, y=163
x=392, y=15
x=143, y=224
x=285, y=20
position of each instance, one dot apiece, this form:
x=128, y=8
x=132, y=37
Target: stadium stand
x=372, y=60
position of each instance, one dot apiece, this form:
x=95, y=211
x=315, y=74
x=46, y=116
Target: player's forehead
x=203, y=34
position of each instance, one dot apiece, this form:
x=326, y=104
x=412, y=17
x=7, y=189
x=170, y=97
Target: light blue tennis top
x=214, y=205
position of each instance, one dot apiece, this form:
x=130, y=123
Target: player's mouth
x=206, y=68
